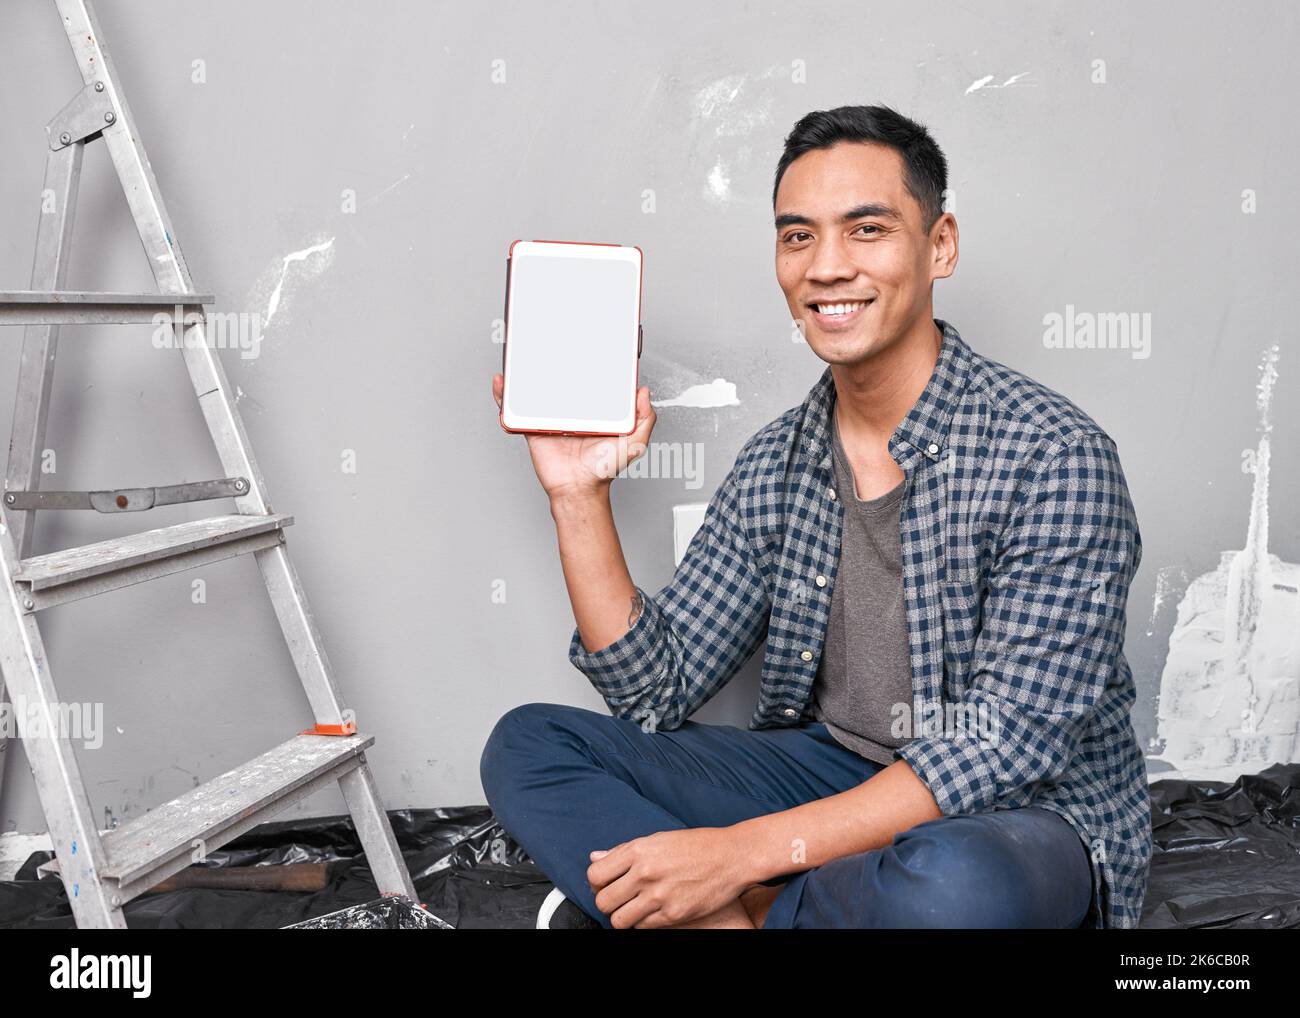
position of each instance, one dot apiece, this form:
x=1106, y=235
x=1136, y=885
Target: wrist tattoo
x=638, y=603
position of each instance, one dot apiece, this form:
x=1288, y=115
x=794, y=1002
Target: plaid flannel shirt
x=1019, y=544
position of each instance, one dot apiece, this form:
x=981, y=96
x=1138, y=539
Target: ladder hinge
x=87, y=113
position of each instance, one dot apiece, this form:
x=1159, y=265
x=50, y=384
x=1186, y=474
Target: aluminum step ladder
x=102, y=872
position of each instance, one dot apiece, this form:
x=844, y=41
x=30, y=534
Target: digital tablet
x=573, y=337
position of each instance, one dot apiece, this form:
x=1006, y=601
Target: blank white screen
x=572, y=337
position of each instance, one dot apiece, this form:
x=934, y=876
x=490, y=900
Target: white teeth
x=840, y=309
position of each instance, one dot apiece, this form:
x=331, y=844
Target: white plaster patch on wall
x=718, y=187
x=1167, y=580
x=664, y=374
x=987, y=82
x=1230, y=690
x=717, y=393
x=305, y=264
x=733, y=107
x=325, y=248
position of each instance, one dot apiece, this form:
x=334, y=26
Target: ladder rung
x=163, y=841
x=92, y=569
x=83, y=307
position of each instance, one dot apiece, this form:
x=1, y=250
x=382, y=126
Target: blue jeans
x=565, y=781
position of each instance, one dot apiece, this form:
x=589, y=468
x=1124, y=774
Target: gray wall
x=1116, y=196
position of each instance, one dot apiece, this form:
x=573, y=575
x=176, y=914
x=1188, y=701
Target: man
x=936, y=552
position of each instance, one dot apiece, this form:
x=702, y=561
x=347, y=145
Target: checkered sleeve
x=1054, y=621
x=695, y=633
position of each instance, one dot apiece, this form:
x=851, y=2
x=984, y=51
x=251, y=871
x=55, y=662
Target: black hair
x=925, y=170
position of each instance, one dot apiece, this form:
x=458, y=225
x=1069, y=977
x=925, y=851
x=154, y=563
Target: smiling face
x=852, y=253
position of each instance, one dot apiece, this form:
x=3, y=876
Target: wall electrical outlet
x=687, y=519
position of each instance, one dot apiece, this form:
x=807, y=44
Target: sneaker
x=559, y=913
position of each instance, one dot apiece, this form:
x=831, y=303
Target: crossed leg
x=565, y=781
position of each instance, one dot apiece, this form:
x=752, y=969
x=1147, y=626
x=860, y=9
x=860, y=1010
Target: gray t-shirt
x=866, y=665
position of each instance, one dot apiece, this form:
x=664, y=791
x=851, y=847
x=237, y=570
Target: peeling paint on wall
x=1230, y=691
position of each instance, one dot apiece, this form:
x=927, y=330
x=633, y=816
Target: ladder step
x=91, y=569
x=83, y=307
x=165, y=840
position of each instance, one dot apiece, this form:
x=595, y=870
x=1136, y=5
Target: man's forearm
x=604, y=599
x=858, y=820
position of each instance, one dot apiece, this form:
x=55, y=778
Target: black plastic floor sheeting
x=1225, y=856
x=395, y=913
x=466, y=870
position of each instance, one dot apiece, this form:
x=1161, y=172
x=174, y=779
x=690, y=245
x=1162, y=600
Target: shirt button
x=806, y=655
x=831, y=493
x=932, y=449
x=821, y=581
x=790, y=712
